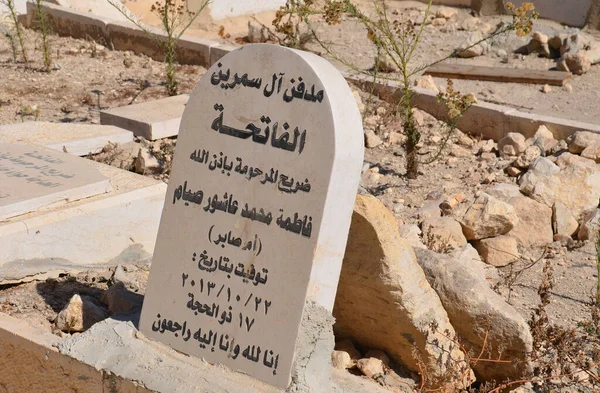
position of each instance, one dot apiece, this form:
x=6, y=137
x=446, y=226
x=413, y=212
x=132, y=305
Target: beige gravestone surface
x=33, y=177
x=257, y=211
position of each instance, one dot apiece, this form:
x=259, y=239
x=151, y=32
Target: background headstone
x=257, y=212
x=32, y=177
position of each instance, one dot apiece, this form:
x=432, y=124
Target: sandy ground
x=70, y=92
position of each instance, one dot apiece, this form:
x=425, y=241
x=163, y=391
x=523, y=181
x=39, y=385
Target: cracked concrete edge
x=31, y=363
x=113, y=357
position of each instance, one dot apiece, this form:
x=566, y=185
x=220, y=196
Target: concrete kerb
x=68, y=22
x=485, y=119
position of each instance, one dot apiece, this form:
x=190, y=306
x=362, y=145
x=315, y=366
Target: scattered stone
x=565, y=159
x=498, y=251
x=459, y=151
x=556, y=42
x=120, y=300
x=371, y=139
x=359, y=102
x=443, y=233
x=577, y=185
x=412, y=234
x=348, y=347
x=589, y=226
x=427, y=82
x=371, y=367
x=573, y=45
x=469, y=257
x=446, y=12
x=568, y=87
x=544, y=139
x=513, y=172
x=256, y=33
x=546, y=89
x=479, y=314
x=592, y=152
x=563, y=222
x=527, y=157
x=341, y=360
x=438, y=22
x=386, y=64
x=377, y=354
x=487, y=217
x=515, y=140
x=145, y=162
x=535, y=219
x=79, y=315
x=384, y=300
x=466, y=50
x=396, y=138
x=578, y=63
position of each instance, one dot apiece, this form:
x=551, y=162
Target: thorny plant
x=175, y=20
x=15, y=29
x=288, y=23
x=397, y=42
x=44, y=26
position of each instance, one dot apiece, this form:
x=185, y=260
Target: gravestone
x=257, y=212
x=33, y=177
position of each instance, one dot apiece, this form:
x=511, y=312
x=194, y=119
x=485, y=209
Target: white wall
x=221, y=9
x=20, y=7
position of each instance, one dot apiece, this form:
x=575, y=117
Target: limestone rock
x=577, y=63
x=371, y=139
x=469, y=257
x=341, y=360
x=544, y=139
x=556, y=42
x=370, y=367
x=442, y=233
x=515, y=140
x=467, y=49
x=386, y=64
x=563, y=221
x=527, y=157
x=475, y=309
x=446, y=12
x=535, y=219
x=580, y=140
x=427, y=82
x=256, y=33
x=438, y=22
x=120, y=300
x=498, y=251
x=412, y=234
x=577, y=185
x=487, y=217
x=573, y=44
x=359, y=101
x=377, y=354
x=565, y=159
x=592, y=152
x=79, y=315
x=348, y=347
x=145, y=161
x=384, y=300
x=589, y=226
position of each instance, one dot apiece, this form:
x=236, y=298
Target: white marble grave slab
x=34, y=177
x=257, y=212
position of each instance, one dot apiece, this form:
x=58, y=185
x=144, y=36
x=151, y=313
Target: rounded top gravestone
x=258, y=209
